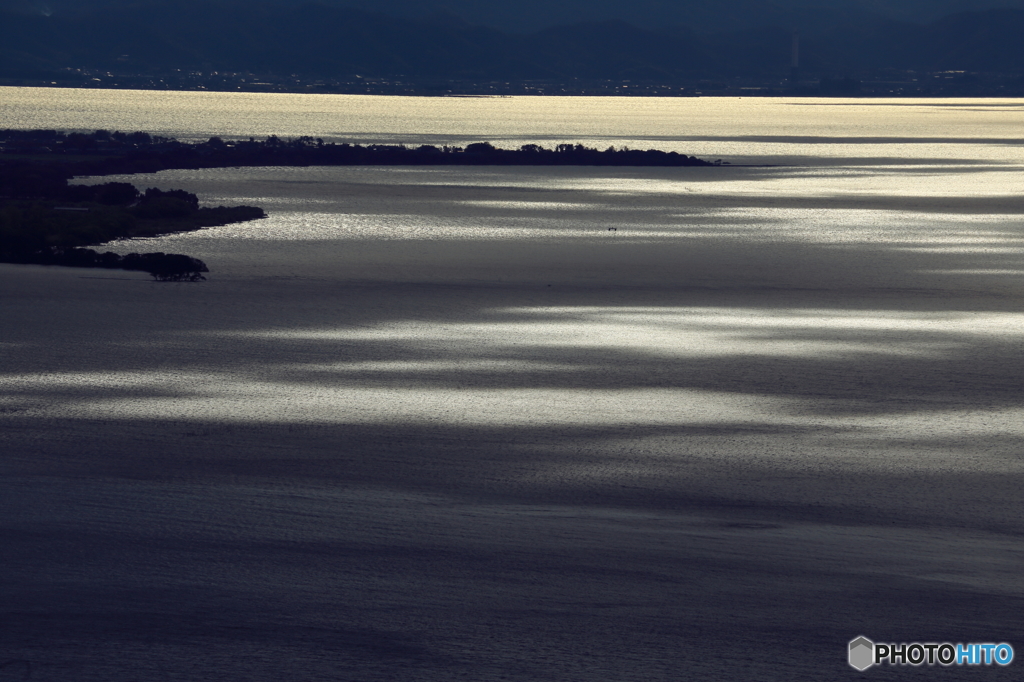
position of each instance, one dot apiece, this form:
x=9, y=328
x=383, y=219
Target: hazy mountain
x=328, y=40
x=701, y=15
x=534, y=15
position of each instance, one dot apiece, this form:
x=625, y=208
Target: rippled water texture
x=529, y=423
x=796, y=130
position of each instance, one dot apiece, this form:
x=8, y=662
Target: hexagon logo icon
x=862, y=653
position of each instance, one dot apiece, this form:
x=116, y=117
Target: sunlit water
x=740, y=130
x=935, y=213
x=805, y=375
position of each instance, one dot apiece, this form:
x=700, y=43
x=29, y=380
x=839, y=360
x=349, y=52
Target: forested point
x=46, y=221
x=51, y=227
x=107, y=153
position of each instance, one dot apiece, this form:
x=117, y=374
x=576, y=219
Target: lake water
x=528, y=423
x=739, y=130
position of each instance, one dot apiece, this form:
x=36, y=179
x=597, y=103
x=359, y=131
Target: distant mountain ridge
x=329, y=40
x=529, y=16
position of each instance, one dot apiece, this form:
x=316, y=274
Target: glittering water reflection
x=687, y=332
x=787, y=130
x=547, y=366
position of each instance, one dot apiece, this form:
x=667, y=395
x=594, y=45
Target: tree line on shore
x=106, y=153
x=46, y=221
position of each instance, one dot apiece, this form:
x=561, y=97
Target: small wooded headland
x=52, y=227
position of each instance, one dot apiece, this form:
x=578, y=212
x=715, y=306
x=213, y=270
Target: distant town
x=883, y=83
